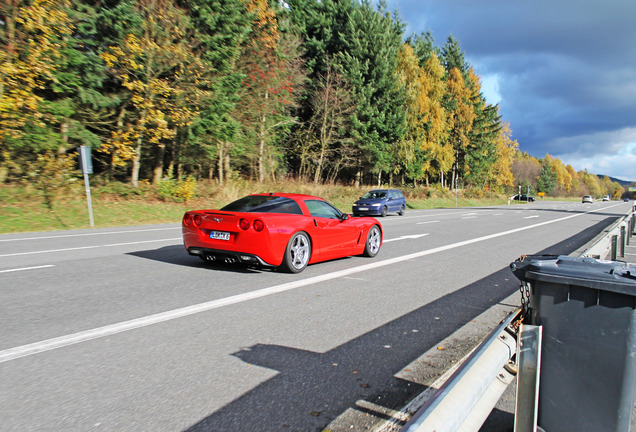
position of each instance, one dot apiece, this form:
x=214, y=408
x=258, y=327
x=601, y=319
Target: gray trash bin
x=588, y=358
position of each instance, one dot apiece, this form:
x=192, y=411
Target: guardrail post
x=529, y=364
x=613, y=248
x=622, y=241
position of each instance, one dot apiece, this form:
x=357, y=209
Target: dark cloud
x=563, y=72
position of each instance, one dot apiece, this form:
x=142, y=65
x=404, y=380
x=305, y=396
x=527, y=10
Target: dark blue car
x=380, y=202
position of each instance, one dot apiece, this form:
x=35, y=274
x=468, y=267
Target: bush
x=177, y=190
x=474, y=193
x=124, y=190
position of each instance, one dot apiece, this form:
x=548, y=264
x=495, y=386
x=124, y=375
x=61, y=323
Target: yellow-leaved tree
x=33, y=38
x=461, y=116
x=161, y=73
x=422, y=152
x=506, y=147
x=564, y=177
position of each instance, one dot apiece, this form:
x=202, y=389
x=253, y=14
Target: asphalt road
x=120, y=330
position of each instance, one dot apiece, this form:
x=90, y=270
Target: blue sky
x=563, y=72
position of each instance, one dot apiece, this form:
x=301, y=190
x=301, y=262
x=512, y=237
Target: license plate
x=219, y=235
x=363, y=208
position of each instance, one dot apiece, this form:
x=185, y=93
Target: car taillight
x=197, y=219
x=187, y=219
x=258, y=225
x=244, y=224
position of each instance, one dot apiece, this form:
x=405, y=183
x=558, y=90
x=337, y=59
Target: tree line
x=320, y=90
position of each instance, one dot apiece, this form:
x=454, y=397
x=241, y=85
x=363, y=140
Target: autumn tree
x=423, y=142
x=155, y=64
x=408, y=153
x=461, y=117
x=525, y=169
x=500, y=173
x=458, y=103
x=32, y=35
x=592, y=183
x=274, y=74
x=575, y=187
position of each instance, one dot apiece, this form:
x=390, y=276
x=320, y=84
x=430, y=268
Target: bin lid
x=604, y=275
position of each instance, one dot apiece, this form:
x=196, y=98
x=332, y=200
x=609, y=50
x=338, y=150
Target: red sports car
x=279, y=230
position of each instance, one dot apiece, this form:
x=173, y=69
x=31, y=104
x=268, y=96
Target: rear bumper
x=230, y=257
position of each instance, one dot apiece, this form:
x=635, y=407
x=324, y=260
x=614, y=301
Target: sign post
x=86, y=164
x=456, y=186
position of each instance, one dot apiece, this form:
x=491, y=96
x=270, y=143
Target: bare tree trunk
x=226, y=162
x=261, y=147
x=158, y=170
x=134, y=177
x=64, y=133
x=113, y=155
x=220, y=163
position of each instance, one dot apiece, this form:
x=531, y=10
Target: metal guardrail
x=466, y=399
x=610, y=243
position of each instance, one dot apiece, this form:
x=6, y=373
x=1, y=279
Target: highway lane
x=150, y=338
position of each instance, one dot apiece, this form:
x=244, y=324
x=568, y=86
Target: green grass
x=22, y=209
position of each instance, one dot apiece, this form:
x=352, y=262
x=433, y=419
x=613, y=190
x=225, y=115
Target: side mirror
x=344, y=217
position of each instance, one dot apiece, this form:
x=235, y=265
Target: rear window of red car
x=264, y=204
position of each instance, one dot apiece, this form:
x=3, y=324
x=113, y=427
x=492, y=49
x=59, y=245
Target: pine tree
x=372, y=39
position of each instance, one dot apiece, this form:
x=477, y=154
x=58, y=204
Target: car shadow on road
x=312, y=389
x=177, y=255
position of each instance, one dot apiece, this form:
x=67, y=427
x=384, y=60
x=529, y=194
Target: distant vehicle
x=625, y=199
x=606, y=198
x=587, y=199
x=380, y=202
x=522, y=198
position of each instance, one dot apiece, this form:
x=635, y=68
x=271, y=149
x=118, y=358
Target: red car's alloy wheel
x=297, y=253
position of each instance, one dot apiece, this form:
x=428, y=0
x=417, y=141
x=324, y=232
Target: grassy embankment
x=22, y=209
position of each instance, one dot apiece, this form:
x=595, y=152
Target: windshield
x=375, y=195
x=264, y=204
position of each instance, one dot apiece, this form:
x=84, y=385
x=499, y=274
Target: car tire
x=402, y=210
x=297, y=253
x=383, y=213
x=374, y=242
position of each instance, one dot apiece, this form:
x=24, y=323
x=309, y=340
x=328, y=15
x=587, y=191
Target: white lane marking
x=427, y=222
x=413, y=236
x=27, y=268
x=88, y=234
x=87, y=335
x=90, y=247
x=470, y=217
x=531, y=217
